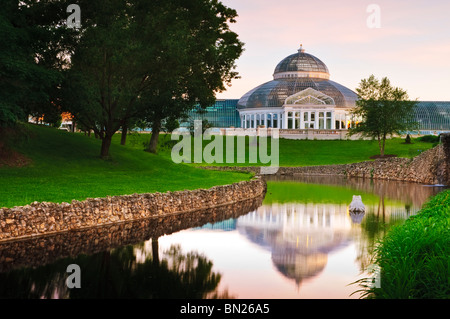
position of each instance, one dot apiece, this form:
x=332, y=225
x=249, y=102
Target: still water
x=300, y=241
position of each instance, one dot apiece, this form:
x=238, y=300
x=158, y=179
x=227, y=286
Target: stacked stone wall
x=430, y=167
x=46, y=218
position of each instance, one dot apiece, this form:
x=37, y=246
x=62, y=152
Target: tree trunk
x=384, y=144
x=153, y=145
x=123, y=138
x=106, y=143
x=380, y=146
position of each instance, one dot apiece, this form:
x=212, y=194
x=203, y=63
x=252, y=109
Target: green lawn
x=66, y=166
x=307, y=152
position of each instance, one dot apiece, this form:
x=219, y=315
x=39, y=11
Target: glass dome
x=301, y=61
x=275, y=92
x=293, y=74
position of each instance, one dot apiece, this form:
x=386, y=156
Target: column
x=284, y=119
x=302, y=120
x=316, y=119
x=333, y=121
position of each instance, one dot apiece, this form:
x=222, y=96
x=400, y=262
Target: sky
x=408, y=42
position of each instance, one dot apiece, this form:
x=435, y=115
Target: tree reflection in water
x=118, y=274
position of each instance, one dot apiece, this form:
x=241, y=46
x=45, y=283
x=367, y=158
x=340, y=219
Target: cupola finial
x=301, y=50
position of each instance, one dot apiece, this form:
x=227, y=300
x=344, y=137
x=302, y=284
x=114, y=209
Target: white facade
x=308, y=109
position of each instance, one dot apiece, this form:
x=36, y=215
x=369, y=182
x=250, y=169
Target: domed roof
x=274, y=93
x=301, y=62
x=294, y=74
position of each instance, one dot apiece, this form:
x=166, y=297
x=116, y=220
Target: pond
x=300, y=241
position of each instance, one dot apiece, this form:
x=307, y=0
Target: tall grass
x=415, y=257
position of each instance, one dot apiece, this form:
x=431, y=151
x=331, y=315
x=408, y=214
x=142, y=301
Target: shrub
x=429, y=139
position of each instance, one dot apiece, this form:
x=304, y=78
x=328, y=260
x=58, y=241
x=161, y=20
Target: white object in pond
x=357, y=205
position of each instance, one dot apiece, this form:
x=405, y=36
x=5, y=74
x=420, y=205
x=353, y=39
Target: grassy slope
x=66, y=166
x=316, y=152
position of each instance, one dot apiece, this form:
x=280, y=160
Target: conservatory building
x=300, y=96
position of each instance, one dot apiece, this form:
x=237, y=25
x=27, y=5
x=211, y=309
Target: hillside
x=64, y=166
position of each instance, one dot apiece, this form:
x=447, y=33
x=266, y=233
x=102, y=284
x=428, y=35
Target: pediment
x=309, y=96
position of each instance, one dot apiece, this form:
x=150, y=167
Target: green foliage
x=415, y=257
x=29, y=52
x=429, y=139
x=385, y=110
x=151, y=60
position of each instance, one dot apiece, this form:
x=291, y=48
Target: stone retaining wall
x=430, y=167
x=42, y=250
x=47, y=218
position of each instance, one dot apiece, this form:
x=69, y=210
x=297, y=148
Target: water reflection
x=303, y=232
x=117, y=261
x=299, y=235
x=304, y=227
x=304, y=220
x=119, y=274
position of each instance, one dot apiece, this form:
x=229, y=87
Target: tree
x=28, y=51
x=107, y=71
x=149, y=59
x=385, y=110
x=196, y=52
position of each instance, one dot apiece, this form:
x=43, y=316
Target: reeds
x=414, y=258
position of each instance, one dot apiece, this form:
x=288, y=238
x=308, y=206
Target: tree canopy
x=384, y=109
x=28, y=70
x=152, y=60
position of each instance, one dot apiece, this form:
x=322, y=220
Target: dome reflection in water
x=300, y=242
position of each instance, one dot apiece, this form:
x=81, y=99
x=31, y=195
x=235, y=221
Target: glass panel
x=305, y=116
x=313, y=116
x=328, y=123
x=321, y=122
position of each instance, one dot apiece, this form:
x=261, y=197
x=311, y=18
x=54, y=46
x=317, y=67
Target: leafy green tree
x=106, y=73
x=385, y=110
x=196, y=52
x=28, y=73
x=147, y=59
